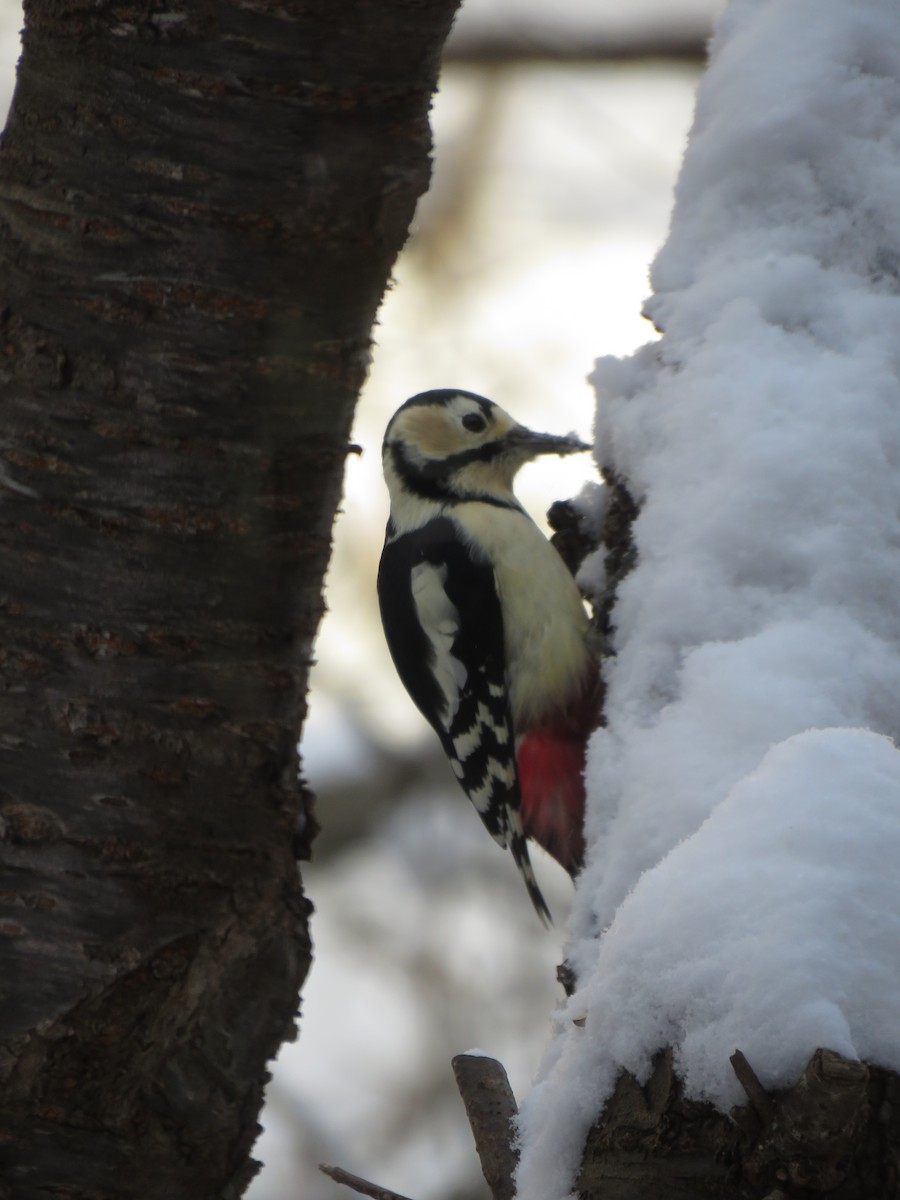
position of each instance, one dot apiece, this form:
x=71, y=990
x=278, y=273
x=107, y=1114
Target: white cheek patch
x=440, y=621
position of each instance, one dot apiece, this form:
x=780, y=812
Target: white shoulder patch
x=440, y=621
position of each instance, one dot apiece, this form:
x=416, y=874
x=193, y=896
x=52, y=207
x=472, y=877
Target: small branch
x=363, y=1186
x=514, y=48
x=756, y=1093
x=491, y=1109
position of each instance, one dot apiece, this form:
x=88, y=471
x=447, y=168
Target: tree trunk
x=835, y=1133
x=199, y=208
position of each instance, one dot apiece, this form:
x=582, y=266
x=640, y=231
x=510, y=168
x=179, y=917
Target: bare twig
x=363, y=1186
x=518, y=46
x=756, y=1093
x=491, y=1109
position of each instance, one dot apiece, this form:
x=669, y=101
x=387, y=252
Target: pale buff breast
x=544, y=618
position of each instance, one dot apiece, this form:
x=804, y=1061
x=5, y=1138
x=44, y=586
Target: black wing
x=444, y=627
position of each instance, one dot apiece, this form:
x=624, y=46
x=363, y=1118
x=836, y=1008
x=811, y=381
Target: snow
x=744, y=799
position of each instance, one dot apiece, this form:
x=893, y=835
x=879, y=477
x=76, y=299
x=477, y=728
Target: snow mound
x=770, y=930
x=767, y=929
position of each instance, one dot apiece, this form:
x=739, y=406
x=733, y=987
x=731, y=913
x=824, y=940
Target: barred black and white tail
x=518, y=845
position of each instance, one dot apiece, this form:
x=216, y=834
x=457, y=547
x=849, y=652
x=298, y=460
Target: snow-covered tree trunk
x=744, y=824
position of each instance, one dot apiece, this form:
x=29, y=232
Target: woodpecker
x=485, y=624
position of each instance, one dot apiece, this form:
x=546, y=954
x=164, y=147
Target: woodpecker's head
x=449, y=445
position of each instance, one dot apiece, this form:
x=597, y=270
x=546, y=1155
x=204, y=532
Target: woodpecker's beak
x=532, y=444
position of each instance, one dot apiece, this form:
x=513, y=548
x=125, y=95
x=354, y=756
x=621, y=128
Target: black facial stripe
x=413, y=479
x=440, y=467
x=432, y=485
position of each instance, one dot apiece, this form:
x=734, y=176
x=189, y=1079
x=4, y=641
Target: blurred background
x=559, y=130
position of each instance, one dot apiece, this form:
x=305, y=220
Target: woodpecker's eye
x=474, y=422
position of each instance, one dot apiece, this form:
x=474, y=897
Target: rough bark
x=836, y=1132
x=199, y=207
